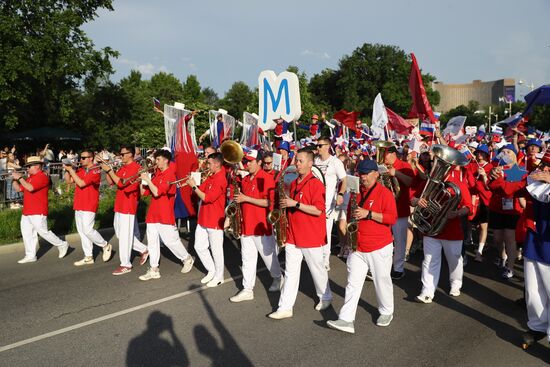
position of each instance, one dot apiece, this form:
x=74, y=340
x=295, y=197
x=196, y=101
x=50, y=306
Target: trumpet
x=132, y=179
x=101, y=161
x=6, y=175
x=205, y=173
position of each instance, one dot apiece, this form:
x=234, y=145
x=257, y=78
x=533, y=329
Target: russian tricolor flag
x=467, y=153
x=427, y=128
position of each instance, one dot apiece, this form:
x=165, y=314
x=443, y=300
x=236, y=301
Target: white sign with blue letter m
x=279, y=96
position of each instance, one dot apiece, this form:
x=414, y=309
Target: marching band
x=291, y=210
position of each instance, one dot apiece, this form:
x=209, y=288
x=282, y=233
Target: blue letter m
x=275, y=101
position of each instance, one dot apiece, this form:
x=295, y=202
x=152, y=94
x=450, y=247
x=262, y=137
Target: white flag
x=455, y=125
x=379, y=114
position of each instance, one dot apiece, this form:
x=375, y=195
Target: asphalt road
x=54, y=314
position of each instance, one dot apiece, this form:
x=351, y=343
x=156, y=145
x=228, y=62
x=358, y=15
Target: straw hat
x=33, y=160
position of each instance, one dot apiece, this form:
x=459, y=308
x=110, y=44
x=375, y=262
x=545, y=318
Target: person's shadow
x=150, y=349
x=229, y=353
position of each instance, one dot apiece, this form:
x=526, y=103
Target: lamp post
x=503, y=99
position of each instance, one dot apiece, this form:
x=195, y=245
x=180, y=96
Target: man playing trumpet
x=257, y=192
x=160, y=219
x=209, y=232
x=86, y=201
x=126, y=203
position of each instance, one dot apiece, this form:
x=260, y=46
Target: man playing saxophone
x=257, y=193
x=449, y=239
x=306, y=235
x=209, y=232
x=376, y=212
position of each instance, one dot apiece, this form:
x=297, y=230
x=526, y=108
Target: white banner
x=279, y=97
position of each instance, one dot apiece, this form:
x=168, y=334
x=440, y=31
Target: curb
x=69, y=237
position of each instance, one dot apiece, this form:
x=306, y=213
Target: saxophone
x=233, y=212
x=277, y=217
x=353, y=225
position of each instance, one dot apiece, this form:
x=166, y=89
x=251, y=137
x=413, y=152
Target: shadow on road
x=228, y=353
x=150, y=349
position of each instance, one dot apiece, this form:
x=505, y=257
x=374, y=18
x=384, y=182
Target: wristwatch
x=194, y=188
x=369, y=216
x=297, y=206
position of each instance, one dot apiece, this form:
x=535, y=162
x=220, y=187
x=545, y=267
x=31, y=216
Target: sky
x=223, y=41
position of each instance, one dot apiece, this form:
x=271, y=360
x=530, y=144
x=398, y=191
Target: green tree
x=45, y=58
x=237, y=99
x=191, y=89
x=210, y=97
x=369, y=70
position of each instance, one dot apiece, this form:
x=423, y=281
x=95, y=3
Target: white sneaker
x=455, y=292
x=207, y=278
x=107, y=252
x=341, y=325
x=280, y=314
x=87, y=260
x=323, y=305
x=151, y=274
x=214, y=283
x=424, y=299
x=244, y=295
x=276, y=285
x=384, y=320
x=63, y=249
x=187, y=264
x=27, y=260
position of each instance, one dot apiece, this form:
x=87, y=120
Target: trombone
x=101, y=161
x=6, y=175
x=132, y=179
x=205, y=173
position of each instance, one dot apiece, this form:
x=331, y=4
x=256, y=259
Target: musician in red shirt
x=209, y=231
x=483, y=192
x=160, y=219
x=126, y=203
x=267, y=164
x=404, y=174
x=449, y=240
x=257, y=194
x=376, y=213
x=86, y=201
x=306, y=235
x=35, y=210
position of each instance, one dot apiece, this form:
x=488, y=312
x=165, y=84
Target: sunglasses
x=321, y=145
x=267, y=163
x=85, y=157
x=124, y=153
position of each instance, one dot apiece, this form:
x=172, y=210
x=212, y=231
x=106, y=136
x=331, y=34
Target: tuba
x=431, y=220
x=385, y=179
x=233, y=154
x=277, y=217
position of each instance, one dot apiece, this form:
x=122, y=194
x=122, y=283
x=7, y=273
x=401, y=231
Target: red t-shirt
x=212, y=208
x=483, y=192
x=404, y=199
x=305, y=230
x=261, y=186
x=372, y=235
x=452, y=229
x=127, y=196
x=87, y=198
x=505, y=197
x=36, y=202
x=161, y=209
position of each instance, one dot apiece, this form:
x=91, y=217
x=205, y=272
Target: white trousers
x=431, y=266
x=399, y=230
x=359, y=263
x=88, y=235
x=537, y=295
x=31, y=227
x=170, y=237
x=206, y=240
x=250, y=247
x=127, y=232
x=326, y=248
x=293, y=265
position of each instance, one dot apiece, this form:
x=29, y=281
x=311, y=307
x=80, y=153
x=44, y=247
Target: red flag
x=421, y=106
x=347, y=118
x=186, y=162
x=398, y=123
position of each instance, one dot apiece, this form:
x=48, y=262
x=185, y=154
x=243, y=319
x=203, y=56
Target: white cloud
x=147, y=69
x=320, y=55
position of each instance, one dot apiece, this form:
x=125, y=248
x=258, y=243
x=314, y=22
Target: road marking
x=115, y=314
